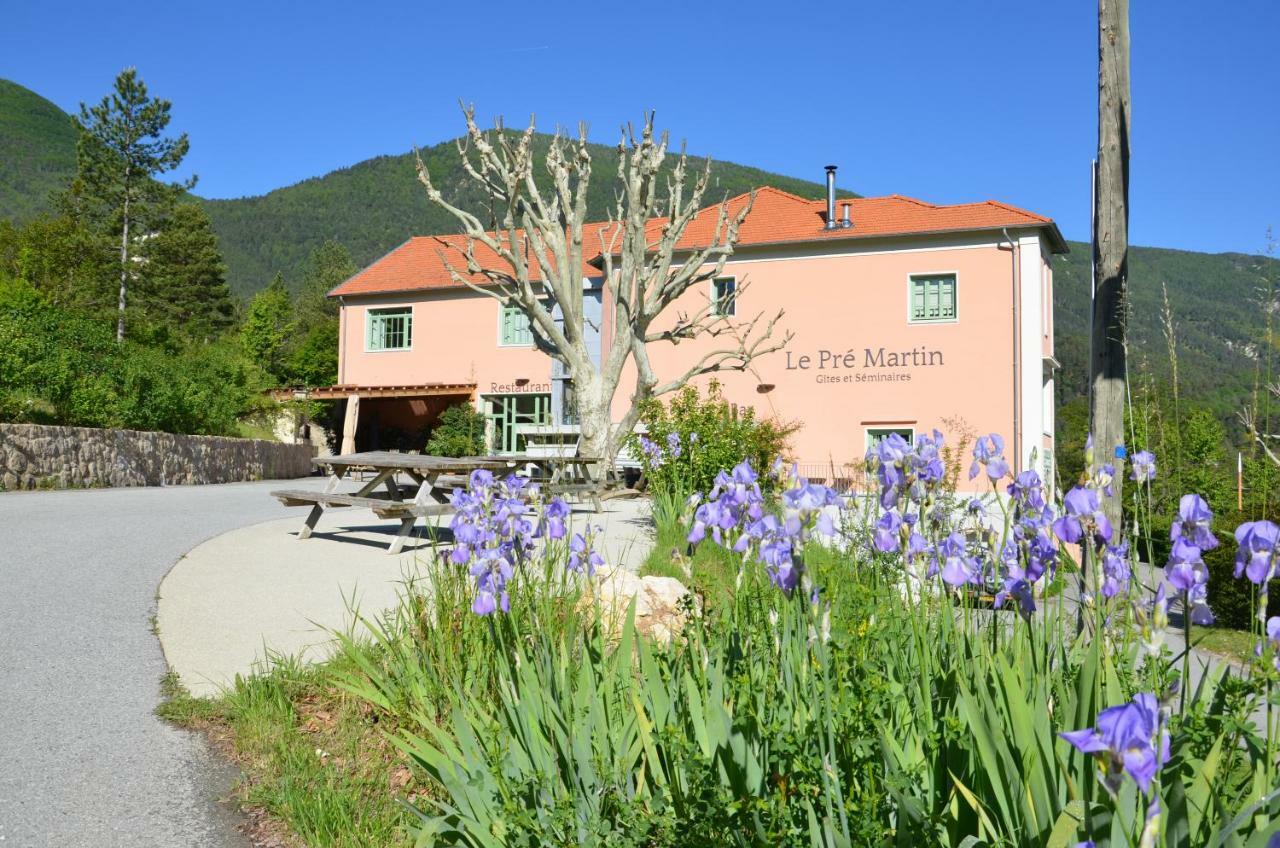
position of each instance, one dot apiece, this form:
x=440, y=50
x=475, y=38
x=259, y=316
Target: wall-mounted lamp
x=522, y=381
x=765, y=388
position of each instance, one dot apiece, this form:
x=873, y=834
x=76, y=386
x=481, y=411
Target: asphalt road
x=84, y=761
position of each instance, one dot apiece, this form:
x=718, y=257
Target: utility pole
x=1110, y=243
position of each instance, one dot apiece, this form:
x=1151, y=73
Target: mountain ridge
x=376, y=204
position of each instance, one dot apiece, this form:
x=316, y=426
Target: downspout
x=1015, y=250
x=342, y=337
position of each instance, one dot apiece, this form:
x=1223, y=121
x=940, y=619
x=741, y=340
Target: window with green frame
x=933, y=298
x=514, y=328
x=877, y=434
x=389, y=329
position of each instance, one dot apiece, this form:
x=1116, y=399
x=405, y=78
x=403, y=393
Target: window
x=514, y=329
x=933, y=298
x=390, y=329
x=724, y=297
x=876, y=434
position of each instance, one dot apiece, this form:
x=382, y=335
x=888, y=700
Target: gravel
x=83, y=758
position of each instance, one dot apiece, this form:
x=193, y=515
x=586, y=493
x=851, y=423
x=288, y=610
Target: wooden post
x=350, y=423
x=1107, y=370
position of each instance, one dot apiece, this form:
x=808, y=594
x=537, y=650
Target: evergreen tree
x=120, y=153
x=268, y=325
x=313, y=356
x=183, y=278
x=326, y=267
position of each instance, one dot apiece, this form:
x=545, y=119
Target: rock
x=661, y=608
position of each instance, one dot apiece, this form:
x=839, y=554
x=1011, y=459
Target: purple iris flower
x=1082, y=514
x=1027, y=490
x=956, y=566
x=1185, y=569
x=1257, y=555
x=1194, y=522
x=583, y=555
x=887, y=532
x=1273, y=636
x=553, y=519
x=989, y=451
x=673, y=445
x=1129, y=739
x=1106, y=477
x=1143, y=467
x=1019, y=590
x=1187, y=573
x=1115, y=569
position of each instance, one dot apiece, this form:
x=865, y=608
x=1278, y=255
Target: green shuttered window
x=514, y=329
x=390, y=329
x=933, y=298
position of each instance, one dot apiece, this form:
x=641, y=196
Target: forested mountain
x=37, y=151
x=375, y=205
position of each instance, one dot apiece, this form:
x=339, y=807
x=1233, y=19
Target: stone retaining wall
x=35, y=456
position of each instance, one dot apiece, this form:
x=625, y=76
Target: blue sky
x=941, y=100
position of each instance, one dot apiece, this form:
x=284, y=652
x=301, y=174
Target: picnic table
x=568, y=474
x=434, y=477
x=431, y=498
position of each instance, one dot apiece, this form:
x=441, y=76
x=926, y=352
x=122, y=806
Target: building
x=906, y=316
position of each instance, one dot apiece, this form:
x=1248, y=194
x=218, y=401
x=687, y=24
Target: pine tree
x=313, y=357
x=183, y=278
x=268, y=325
x=327, y=266
x=120, y=153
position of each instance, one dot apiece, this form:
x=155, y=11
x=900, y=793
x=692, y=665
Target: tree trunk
x=124, y=265
x=595, y=419
x=1111, y=243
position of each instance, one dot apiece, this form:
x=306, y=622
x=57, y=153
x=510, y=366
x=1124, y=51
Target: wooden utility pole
x=1110, y=243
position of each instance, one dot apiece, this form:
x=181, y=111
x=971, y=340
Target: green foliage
x=1235, y=601
x=268, y=325
x=183, y=280
x=459, y=432
x=62, y=366
x=37, y=151
x=711, y=434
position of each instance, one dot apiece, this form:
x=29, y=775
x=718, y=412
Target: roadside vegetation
x=114, y=305
x=879, y=670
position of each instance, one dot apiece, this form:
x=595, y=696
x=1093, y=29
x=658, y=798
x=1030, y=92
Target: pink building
x=906, y=316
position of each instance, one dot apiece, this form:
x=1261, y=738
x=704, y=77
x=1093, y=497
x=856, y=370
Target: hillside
x=37, y=151
x=375, y=205
x=379, y=203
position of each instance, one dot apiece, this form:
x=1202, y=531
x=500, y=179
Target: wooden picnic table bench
x=425, y=471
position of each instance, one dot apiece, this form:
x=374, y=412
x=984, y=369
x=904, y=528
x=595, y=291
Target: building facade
x=904, y=316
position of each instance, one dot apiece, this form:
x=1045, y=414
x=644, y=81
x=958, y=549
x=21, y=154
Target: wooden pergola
x=353, y=393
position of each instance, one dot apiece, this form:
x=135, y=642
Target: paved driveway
x=83, y=759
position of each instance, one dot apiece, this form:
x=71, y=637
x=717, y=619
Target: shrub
x=690, y=439
x=61, y=366
x=1234, y=601
x=460, y=432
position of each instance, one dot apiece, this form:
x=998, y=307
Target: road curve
x=84, y=761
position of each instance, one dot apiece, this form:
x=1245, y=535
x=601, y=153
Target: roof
x=347, y=390
x=779, y=217
x=776, y=218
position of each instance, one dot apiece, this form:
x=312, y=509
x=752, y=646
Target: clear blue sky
x=941, y=100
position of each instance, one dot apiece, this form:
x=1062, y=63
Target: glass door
x=506, y=412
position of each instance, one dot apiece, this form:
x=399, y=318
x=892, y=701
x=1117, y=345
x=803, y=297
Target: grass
x=314, y=758
x=1236, y=645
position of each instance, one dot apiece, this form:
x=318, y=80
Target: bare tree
x=541, y=236
x=1111, y=239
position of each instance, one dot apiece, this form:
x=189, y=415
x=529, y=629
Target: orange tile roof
x=777, y=217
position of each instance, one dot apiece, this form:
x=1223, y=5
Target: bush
x=460, y=432
x=1234, y=602
x=693, y=437
x=60, y=366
